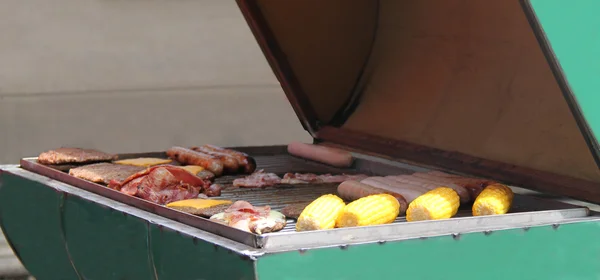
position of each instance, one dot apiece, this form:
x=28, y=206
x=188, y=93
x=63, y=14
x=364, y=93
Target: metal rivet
x=526, y=228
x=555, y=226
x=302, y=251
x=487, y=232
x=456, y=236
x=381, y=242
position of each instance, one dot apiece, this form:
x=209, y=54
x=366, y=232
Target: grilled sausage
x=474, y=186
x=460, y=190
x=326, y=155
x=408, y=191
x=353, y=190
x=230, y=164
x=246, y=162
x=187, y=156
x=213, y=190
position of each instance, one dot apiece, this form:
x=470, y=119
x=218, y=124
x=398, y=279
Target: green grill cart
x=505, y=90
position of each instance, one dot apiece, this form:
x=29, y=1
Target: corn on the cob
x=493, y=200
x=436, y=204
x=370, y=210
x=321, y=213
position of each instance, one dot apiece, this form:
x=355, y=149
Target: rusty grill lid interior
x=461, y=84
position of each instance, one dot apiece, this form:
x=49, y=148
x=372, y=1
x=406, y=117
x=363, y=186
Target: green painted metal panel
x=570, y=251
x=572, y=30
x=105, y=243
x=29, y=212
x=179, y=256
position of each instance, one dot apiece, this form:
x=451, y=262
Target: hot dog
x=460, y=190
x=353, y=190
x=246, y=162
x=230, y=163
x=187, y=156
x=326, y=155
x=409, y=192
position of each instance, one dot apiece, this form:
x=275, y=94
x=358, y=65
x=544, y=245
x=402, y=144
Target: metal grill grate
x=280, y=196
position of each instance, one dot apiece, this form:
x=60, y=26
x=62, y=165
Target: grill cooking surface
x=280, y=196
x=525, y=212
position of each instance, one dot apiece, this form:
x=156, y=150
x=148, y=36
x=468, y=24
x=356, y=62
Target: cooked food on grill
x=377, y=209
x=242, y=215
x=258, y=179
x=104, y=172
x=162, y=184
x=495, y=199
x=190, y=157
x=310, y=178
x=436, y=204
x=321, y=213
x=213, y=190
x=62, y=167
x=353, y=190
x=144, y=161
x=230, y=163
x=432, y=184
x=322, y=154
x=199, y=206
x=246, y=163
x=199, y=171
x=409, y=191
x=473, y=185
x=294, y=210
x=74, y=155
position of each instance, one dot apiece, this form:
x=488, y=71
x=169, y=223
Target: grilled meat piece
x=73, y=155
x=104, y=172
x=258, y=179
x=255, y=219
x=63, y=167
x=310, y=178
x=293, y=210
x=162, y=184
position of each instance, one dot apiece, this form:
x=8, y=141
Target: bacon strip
x=258, y=179
x=161, y=184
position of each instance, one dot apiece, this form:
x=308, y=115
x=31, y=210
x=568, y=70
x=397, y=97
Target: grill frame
x=530, y=210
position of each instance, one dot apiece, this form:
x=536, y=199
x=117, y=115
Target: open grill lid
x=460, y=84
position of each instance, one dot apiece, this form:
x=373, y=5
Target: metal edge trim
x=424, y=229
x=561, y=79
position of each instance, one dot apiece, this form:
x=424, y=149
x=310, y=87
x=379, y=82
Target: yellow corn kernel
x=370, y=210
x=321, y=213
x=495, y=199
x=436, y=204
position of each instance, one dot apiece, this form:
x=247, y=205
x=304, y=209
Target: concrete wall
x=133, y=76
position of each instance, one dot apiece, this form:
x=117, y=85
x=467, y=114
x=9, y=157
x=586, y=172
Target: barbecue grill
x=497, y=90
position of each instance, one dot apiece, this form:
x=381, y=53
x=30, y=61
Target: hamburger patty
x=104, y=172
x=294, y=210
x=73, y=155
